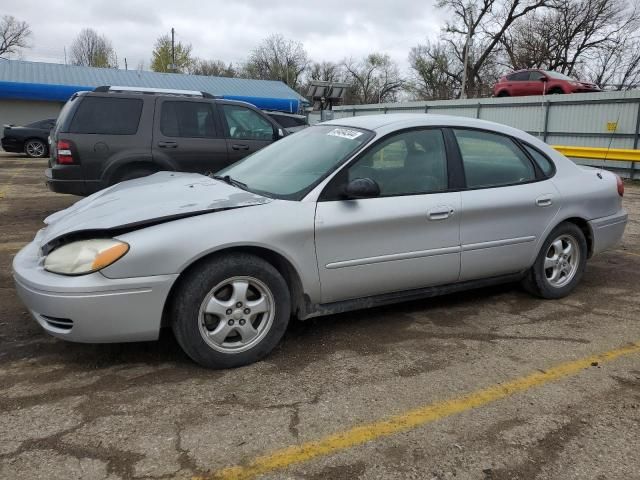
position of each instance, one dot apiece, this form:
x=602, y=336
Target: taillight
x=64, y=155
x=620, y=185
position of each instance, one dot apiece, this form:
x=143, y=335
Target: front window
x=560, y=76
x=291, y=167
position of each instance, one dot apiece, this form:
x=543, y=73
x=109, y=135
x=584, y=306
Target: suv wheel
x=230, y=311
x=35, y=148
x=560, y=263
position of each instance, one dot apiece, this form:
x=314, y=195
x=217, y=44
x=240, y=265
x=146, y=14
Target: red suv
x=539, y=82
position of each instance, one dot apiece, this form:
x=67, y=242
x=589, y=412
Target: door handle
x=544, y=201
x=440, y=213
x=168, y=144
x=240, y=146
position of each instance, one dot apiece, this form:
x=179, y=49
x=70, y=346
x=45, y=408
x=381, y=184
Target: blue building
x=31, y=91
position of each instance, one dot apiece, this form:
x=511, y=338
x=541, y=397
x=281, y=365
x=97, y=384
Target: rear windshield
x=108, y=116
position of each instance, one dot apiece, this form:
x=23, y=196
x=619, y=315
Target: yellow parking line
x=296, y=454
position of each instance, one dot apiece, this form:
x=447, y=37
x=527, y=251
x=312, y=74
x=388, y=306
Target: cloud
x=330, y=30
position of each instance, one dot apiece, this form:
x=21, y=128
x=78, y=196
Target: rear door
x=535, y=86
x=246, y=130
x=187, y=134
x=518, y=83
x=506, y=206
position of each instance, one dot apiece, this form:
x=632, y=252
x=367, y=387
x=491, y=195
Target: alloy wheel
x=561, y=261
x=236, y=314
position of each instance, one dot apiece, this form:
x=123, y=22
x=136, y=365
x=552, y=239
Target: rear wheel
x=503, y=94
x=560, y=263
x=230, y=311
x=35, y=148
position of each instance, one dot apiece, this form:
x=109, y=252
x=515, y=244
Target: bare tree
x=162, y=57
x=431, y=65
x=278, y=58
x=212, y=68
x=374, y=79
x=567, y=37
x=479, y=27
x=90, y=49
x=326, y=72
x=14, y=35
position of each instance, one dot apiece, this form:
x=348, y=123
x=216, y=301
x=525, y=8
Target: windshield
x=560, y=76
x=291, y=167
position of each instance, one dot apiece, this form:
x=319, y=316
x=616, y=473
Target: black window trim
x=539, y=175
x=212, y=106
x=543, y=176
x=329, y=192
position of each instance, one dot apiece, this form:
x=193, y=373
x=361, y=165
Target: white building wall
x=21, y=112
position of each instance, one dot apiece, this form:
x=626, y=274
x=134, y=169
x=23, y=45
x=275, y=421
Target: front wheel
x=560, y=263
x=230, y=311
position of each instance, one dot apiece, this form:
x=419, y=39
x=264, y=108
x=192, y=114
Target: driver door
x=246, y=131
x=406, y=238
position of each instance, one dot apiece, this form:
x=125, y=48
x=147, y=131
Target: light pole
x=173, y=50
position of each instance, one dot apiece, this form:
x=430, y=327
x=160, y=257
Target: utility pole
x=463, y=93
x=125, y=63
x=173, y=50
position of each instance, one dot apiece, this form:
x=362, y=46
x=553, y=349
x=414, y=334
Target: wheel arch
x=114, y=174
x=583, y=225
x=277, y=260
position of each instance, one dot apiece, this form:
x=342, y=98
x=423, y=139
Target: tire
x=556, y=91
x=136, y=172
x=35, y=148
x=209, y=310
x=540, y=281
x=502, y=94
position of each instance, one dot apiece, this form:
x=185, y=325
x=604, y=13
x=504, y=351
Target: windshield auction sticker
x=345, y=133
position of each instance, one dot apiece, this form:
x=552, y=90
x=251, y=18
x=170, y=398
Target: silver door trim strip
x=497, y=243
x=393, y=257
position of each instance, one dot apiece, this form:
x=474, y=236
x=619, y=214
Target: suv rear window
x=108, y=116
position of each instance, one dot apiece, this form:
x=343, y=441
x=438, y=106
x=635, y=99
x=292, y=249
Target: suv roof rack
x=161, y=91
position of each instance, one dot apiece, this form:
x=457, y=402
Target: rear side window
x=492, y=160
x=107, y=116
x=543, y=162
x=187, y=119
x=518, y=76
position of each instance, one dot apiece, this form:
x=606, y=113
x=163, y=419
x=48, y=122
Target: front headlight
x=85, y=256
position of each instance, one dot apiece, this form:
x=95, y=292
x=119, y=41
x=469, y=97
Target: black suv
x=114, y=134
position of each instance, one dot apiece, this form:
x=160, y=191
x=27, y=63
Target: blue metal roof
x=56, y=82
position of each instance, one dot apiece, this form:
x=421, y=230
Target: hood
x=160, y=197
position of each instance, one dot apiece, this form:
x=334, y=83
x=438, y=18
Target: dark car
x=291, y=122
x=539, y=82
x=114, y=134
x=32, y=139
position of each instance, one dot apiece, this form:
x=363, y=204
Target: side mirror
x=278, y=134
x=362, y=188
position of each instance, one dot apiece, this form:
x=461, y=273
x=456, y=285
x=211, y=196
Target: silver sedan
x=348, y=214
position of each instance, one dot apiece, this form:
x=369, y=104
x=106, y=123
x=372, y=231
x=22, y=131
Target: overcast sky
x=228, y=30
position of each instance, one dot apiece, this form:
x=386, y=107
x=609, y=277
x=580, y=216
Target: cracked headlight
x=85, y=256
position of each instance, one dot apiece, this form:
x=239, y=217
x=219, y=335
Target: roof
x=384, y=123
x=56, y=82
